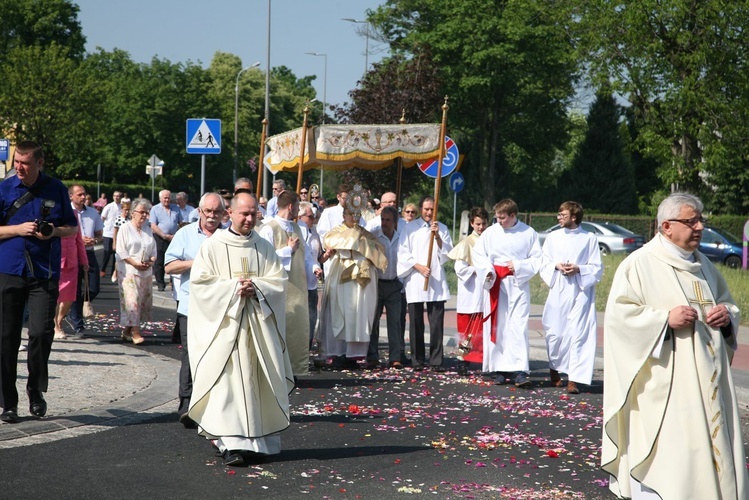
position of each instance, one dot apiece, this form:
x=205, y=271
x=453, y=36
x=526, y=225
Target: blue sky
x=192, y=30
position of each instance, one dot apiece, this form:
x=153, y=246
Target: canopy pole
x=437, y=183
x=399, y=178
x=261, y=158
x=304, y=145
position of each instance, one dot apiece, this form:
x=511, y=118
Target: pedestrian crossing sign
x=203, y=136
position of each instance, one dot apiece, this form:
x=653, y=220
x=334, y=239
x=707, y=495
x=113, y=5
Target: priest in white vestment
x=350, y=293
x=670, y=415
x=287, y=238
x=571, y=267
x=508, y=255
x=472, y=296
x=240, y=366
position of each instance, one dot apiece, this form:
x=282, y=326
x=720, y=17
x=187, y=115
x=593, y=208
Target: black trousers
x=108, y=254
x=94, y=285
x=185, y=377
x=436, y=314
x=388, y=296
x=40, y=296
x=158, y=266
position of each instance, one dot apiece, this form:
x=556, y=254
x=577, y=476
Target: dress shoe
x=556, y=380
x=572, y=388
x=521, y=380
x=462, y=369
x=187, y=422
x=439, y=369
x=396, y=365
x=10, y=415
x=233, y=458
x=37, y=404
x=372, y=364
x=500, y=379
x=418, y=367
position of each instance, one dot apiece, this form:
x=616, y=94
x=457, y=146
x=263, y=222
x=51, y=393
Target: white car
x=612, y=238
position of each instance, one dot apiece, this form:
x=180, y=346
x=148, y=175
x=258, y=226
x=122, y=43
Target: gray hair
x=182, y=195
x=281, y=183
x=671, y=206
x=304, y=205
x=203, y=198
x=141, y=202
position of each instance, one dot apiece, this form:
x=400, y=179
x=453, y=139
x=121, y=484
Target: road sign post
x=203, y=138
x=4, y=147
x=457, y=182
x=155, y=167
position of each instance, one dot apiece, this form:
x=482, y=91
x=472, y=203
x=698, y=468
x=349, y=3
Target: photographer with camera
x=30, y=202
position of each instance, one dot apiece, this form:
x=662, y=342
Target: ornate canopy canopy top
x=339, y=147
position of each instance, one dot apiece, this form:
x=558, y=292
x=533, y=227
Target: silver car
x=612, y=238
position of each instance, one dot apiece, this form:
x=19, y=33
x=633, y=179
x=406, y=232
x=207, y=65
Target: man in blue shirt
x=178, y=260
x=165, y=220
x=32, y=225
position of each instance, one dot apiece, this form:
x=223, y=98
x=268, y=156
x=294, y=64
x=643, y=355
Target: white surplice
x=670, y=414
x=413, y=248
x=498, y=246
x=240, y=367
x=569, y=317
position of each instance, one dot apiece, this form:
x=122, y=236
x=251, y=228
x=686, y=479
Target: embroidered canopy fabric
x=339, y=147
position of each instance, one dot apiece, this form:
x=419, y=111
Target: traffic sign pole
x=202, y=174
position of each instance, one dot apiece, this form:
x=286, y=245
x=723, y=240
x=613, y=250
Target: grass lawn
x=737, y=279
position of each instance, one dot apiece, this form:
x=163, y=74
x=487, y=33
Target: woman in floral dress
x=136, y=251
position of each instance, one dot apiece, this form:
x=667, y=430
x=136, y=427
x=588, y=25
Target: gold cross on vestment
x=699, y=299
x=245, y=273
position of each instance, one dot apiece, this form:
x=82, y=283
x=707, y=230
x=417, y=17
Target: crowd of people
x=250, y=316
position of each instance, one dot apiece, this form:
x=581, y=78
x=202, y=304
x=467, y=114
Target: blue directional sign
x=203, y=136
x=4, y=146
x=457, y=182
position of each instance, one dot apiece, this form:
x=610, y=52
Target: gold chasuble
x=671, y=419
x=297, y=307
x=240, y=368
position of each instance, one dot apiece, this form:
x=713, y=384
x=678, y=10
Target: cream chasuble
x=240, y=367
x=297, y=308
x=350, y=293
x=671, y=419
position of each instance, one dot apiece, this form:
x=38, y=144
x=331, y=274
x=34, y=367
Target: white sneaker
x=60, y=335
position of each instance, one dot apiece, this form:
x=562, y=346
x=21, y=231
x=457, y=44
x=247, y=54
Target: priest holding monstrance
x=671, y=420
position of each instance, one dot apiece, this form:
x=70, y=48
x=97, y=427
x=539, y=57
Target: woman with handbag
x=136, y=250
x=73, y=257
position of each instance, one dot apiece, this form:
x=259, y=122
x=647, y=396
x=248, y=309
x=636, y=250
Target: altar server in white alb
x=508, y=255
x=571, y=267
x=240, y=366
x=671, y=427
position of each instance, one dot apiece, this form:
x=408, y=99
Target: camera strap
x=22, y=200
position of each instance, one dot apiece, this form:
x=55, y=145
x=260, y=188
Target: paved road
x=112, y=430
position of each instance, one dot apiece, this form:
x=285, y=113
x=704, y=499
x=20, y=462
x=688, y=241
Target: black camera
x=45, y=227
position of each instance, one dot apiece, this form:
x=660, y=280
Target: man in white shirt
x=306, y=223
x=109, y=214
x=389, y=291
x=387, y=200
x=413, y=248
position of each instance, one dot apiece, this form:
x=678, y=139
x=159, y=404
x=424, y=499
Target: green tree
x=47, y=97
x=40, y=23
x=682, y=64
x=601, y=176
x=509, y=70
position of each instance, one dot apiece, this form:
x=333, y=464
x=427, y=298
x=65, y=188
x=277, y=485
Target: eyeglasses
x=306, y=215
x=410, y=211
x=562, y=216
x=218, y=211
x=690, y=222
x=142, y=212
x=303, y=192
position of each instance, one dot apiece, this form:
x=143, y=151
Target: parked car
x=612, y=238
x=722, y=247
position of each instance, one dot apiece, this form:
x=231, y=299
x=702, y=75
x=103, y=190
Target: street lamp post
x=236, y=119
x=366, y=47
x=324, y=99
